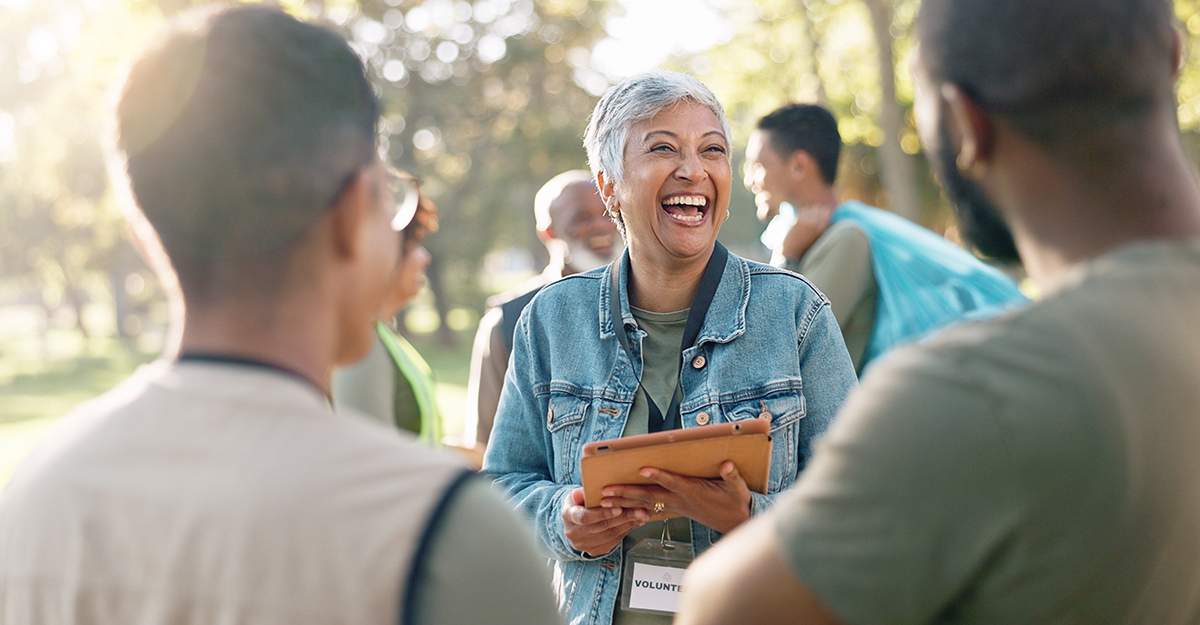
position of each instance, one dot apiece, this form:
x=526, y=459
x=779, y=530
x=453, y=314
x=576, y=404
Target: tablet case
x=695, y=452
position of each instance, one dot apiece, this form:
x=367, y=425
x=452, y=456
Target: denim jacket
x=769, y=341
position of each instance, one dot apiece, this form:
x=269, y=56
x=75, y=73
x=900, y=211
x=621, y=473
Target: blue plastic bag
x=925, y=282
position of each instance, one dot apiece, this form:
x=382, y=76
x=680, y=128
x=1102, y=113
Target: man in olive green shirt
x=888, y=280
x=792, y=157
x=1041, y=467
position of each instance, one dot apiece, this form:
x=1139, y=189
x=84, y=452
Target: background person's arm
x=489, y=363
x=808, y=227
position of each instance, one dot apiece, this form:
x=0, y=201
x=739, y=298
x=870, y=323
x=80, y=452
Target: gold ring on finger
x=659, y=507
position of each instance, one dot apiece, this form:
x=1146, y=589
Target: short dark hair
x=806, y=127
x=1057, y=70
x=238, y=129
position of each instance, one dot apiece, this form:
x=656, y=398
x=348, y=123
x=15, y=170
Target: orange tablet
x=695, y=452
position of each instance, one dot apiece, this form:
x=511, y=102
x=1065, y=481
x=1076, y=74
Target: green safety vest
x=420, y=377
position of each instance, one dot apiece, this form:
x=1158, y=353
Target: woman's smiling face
x=677, y=183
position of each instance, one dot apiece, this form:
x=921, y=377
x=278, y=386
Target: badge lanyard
x=700, y=305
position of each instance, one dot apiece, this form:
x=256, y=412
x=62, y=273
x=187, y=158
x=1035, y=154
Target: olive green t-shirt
x=660, y=364
x=660, y=376
x=1037, y=468
x=839, y=265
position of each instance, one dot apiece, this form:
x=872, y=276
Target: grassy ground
x=38, y=385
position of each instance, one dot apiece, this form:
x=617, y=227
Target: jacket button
x=702, y=418
x=765, y=416
x=698, y=362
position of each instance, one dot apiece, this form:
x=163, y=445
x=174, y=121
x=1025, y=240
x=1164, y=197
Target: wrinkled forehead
x=683, y=119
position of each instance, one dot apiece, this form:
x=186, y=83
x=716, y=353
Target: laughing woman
x=680, y=333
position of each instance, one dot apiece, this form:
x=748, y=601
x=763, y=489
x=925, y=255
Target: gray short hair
x=635, y=99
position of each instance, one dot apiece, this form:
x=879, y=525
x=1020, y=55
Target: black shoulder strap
x=416, y=572
x=510, y=313
x=704, y=296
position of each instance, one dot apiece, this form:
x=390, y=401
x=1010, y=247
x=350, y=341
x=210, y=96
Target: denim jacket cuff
x=759, y=503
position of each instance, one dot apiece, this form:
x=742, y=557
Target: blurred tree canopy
x=62, y=243
x=485, y=102
x=483, y=99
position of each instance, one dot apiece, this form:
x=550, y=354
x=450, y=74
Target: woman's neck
x=664, y=288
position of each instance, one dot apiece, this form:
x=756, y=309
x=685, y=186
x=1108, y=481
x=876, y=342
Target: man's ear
x=608, y=195
x=800, y=163
x=350, y=215
x=972, y=130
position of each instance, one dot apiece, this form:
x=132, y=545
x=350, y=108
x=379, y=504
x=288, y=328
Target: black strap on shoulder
x=699, y=309
x=510, y=313
x=416, y=570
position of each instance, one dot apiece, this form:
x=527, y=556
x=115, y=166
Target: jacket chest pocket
x=784, y=408
x=565, y=418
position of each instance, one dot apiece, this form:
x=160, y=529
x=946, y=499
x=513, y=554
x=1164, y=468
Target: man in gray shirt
x=217, y=485
x=1040, y=467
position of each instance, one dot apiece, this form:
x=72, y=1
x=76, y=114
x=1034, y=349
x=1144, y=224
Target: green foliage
x=493, y=94
x=819, y=51
x=62, y=240
x=484, y=102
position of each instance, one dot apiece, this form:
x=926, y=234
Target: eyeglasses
x=405, y=191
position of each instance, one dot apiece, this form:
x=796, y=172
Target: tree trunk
x=810, y=30
x=123, y=262
x=895, y=167
x=44, y=327
x=437, y=284
x=74, y=296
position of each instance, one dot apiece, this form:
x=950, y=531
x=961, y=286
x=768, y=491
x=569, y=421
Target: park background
x=484, y=100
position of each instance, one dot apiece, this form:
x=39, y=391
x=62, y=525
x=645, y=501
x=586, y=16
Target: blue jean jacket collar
x=726, y=318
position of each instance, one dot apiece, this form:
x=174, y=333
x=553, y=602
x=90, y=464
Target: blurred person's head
x=572, y=222
x=248, y=141
x=638, y=100
x=1085, y=81
x=409, y=275
x=792, y=154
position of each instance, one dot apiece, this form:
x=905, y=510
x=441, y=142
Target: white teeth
x=686, y=200
x=690, y=219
